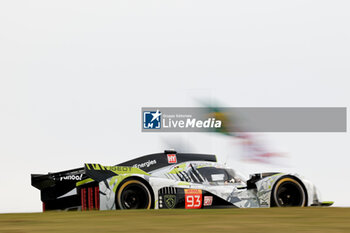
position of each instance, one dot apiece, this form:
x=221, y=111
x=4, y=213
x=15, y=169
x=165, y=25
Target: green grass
x=279, y=220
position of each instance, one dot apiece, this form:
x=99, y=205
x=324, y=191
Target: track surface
x=167, y=221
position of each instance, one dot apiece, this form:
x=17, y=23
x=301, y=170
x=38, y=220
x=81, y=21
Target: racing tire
x=134, y=194
x=288, y=192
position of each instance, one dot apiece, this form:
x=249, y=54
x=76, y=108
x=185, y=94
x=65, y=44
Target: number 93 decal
x=193, y=198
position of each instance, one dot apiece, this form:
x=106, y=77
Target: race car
x=171, y=180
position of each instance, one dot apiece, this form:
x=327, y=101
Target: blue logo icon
x=152, y=120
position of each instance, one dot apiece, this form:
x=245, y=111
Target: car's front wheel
x=134, y=194
x=288, y=192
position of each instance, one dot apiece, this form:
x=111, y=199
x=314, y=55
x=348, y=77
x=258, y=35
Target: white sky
x=75, y=74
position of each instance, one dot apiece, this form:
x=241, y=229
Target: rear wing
x=42, y=181
x=58, y=189
x=98, y=173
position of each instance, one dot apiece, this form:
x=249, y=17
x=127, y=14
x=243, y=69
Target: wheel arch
x=144, y=181
x=272, y=201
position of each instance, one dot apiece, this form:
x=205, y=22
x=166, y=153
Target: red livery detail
x=172, y=158
x=83, y=199
x=193, y=198
x=208, y=200
x=97, y=198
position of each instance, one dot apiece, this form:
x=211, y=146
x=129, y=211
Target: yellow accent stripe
x=120, y=179
x=113, y=180
x=117, y=169
x=183, y=183
x=84, y=182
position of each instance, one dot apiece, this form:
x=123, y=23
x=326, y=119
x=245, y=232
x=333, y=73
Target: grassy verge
x=168, y=221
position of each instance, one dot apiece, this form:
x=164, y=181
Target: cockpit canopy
x=201, y=172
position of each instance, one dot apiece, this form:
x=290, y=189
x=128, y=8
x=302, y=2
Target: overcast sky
x=75, y=74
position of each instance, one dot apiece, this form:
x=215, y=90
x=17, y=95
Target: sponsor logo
x=263, y=204
x=170, y=201
x=193, y=198
x=145, y=164
x=193, y=191
x=172, y=158
x=177, y=120
x=192, y=123
x=119, y=169
x=108, y=168
x=152, y=120
x=208, y=200
x=72, y=177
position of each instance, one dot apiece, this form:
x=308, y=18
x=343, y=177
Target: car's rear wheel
x=133, y=194
x=288, y=192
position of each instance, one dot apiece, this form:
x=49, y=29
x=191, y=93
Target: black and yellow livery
x=171, y=180
x=76, y=190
